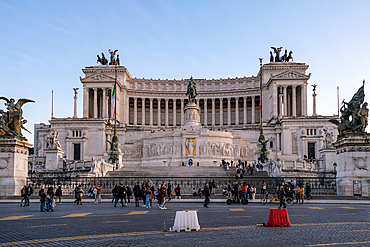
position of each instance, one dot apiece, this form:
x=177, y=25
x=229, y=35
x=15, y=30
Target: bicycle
x=269, y=198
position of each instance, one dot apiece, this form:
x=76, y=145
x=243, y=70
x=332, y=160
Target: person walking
x=207, y=195
x=212, y=186
x=29, y=192
x=244, y=190
x=263, y=187
x=79, y=194
x=169, y=190
x=254, y=192
x=162, y=196
x=50, y=198
x=59, y=194
x=297, y=194
x=115, y=195
x=23, y=196
x=129, y=193
x=308, y=191
x=42, y=195
x=229, y=190
x=98, y=193
x=148, y=193
x=178, y=192
x=301, y=192
x=281, y=197
x=137, y=194
x=76, y=194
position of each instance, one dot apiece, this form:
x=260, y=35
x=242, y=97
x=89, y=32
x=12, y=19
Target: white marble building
x=150, y=113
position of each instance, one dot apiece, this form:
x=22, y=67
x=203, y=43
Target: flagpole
x=115, y=101
x=261, y=105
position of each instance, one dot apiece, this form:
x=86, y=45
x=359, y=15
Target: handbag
x=54, y=204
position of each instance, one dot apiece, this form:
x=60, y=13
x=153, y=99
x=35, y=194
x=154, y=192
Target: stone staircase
x=176, y=171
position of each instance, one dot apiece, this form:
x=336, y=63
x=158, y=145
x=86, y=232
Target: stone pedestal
x=327, y=160
x=353, y=159
x=191, y=115
x=13, y=166
x=54, y=159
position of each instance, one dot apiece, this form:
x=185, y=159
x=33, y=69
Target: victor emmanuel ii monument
x=193, y=122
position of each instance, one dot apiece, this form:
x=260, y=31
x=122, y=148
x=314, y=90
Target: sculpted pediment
x=98, y=77
x=291, y=75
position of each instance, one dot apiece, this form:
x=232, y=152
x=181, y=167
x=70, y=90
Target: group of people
x=236, y=192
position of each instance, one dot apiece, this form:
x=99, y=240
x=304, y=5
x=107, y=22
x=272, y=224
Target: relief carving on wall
x=294, y=143
x=360, y=163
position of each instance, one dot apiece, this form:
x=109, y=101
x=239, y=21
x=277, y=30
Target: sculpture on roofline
x=192, y=90
x=285, y=58
x=11, y=122
x=102, y=60
x=355, y=114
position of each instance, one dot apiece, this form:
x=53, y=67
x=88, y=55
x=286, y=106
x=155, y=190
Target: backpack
x=177, y=190
x=95, y=191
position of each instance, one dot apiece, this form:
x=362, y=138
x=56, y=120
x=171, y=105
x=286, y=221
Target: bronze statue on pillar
x=355, y=114
x=12, y=121
x=192, y=90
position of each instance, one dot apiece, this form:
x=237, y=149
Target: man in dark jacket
x=281, y=197
x=59, y=194
x=29, y=192
x=206, y=195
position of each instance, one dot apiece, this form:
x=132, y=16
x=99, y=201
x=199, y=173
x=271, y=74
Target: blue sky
x=45, y=44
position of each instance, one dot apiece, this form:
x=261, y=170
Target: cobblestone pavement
x=221, y=225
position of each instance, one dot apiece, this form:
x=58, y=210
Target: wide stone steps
x=176, y=171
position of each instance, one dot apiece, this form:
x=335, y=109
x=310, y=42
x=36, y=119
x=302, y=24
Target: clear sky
x=45, y=44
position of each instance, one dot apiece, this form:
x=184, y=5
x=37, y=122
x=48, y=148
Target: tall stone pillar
x=205, y=112
x=86, y=102
x=174, y=112
x=285, y=100
x=245, y=110
x=213, y=112
x=135, y=111
x=221, y=112
x=294, y=99
x=75, y=105
x=228, y=111
x=236, y=111
x=143, y=111
x=159, y=112
x=166, y=112
x=95, y=103
x=104, y=111
x=253, y=109
x=182, y=111
x=151, y=112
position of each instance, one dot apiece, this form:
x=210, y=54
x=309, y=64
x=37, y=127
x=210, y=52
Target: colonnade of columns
x=96, y=102
x=291, y=100
x=170, y=112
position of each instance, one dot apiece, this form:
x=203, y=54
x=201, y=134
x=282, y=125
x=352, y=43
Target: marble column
x=274, y=100
x=104, y=103
x=280, y=102
x=221, y=112
x=166, y=112
x=245, y=110
x=159, y=112
x=135, y=111
x=236, y=110
x=95, y=103
x=304, y=99
x=285, y=100
x=151, y=111
x=277, y=141
x=205, y=112
x=143, y=111
x=294, y=87
x=253, y=109
x=228, y=111
x=182, y=111
x=86, y=102
x=213, y=112
x=174, y=112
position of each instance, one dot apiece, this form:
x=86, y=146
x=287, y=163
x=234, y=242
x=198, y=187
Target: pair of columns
x=283, y=98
